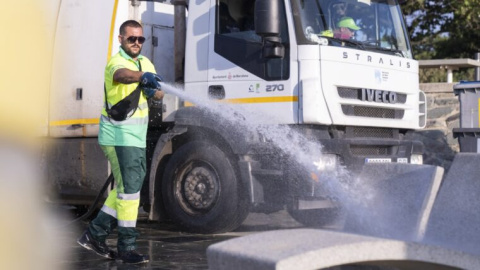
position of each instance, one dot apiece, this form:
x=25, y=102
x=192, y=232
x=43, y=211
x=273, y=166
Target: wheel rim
x=197, y=187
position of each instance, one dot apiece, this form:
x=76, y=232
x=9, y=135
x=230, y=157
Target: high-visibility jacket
x=133, y=130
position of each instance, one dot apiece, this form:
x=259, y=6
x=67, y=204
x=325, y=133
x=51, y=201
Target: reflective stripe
x=109, y=211
x=129, y=197
x=127, y=223
x=253, y=100
x=70, y=122
x=129, y=121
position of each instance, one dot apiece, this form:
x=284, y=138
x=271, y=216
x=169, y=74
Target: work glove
x=148, y=91
x=150, y=80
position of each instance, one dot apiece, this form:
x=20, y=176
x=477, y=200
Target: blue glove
x=149, y=92
x=150, y=80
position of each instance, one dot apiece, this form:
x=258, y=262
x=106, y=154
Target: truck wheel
x=201, y=189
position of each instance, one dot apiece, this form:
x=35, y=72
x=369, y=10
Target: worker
x=124, y=144
x=346, y=28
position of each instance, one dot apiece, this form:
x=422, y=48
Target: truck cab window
x=235, y=28
x=236, y=19
x=226, y=23
x=375, y=25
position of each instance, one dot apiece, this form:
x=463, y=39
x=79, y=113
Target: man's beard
x=132, y=54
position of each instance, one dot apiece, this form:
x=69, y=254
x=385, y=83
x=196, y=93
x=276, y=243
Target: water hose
x=91, y=210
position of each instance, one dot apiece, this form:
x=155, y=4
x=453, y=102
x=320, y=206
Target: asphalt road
x=168, y=248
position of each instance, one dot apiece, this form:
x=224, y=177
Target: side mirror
x=267, y=25
x=267, y=22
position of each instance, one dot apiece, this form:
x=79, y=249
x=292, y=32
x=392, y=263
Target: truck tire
x=201, y=189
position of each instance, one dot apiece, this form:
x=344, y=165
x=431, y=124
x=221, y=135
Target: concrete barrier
x=455, y=218
x=407, y=227
x=301, y=249
x=393, y=200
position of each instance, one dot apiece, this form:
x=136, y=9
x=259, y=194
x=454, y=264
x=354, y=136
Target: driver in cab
x=346, y=28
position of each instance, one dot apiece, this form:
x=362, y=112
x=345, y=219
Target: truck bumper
x=300, y=182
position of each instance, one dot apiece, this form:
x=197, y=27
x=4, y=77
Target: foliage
x=443, y=29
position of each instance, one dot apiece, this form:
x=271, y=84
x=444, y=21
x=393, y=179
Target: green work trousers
x=128, y=166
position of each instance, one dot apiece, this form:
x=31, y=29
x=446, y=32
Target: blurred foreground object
x=26, y=229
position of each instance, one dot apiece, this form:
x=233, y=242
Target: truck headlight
x=326, y=163
x=416, y=159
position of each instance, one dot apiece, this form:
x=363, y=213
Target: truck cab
x=364, y=86
x=285, y=66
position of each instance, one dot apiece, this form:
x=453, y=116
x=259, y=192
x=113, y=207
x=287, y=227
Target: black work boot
x=132, y=256
x=87, y=241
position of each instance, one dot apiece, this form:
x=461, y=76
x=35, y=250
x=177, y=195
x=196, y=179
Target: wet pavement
x=167, y=247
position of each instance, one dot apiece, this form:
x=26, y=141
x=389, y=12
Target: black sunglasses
x=133, y=39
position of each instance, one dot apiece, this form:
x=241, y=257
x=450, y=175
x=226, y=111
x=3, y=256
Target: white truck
x=359, y=98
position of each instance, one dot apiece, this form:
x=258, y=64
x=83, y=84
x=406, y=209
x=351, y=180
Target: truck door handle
x=216, y=92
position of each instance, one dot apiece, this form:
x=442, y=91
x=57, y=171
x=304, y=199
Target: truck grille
x=370, y=132
x=373, y=112
x=366, y=110
x=370, y=150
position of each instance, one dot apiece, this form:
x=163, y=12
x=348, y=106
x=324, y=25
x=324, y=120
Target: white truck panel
x=80, y=55
x=343, y=67
x=196, y=51
x=313, y=108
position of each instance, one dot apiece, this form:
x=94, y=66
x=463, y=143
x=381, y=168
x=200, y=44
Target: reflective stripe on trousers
x=123, y=207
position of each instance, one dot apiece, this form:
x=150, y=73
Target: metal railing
x=453, y=64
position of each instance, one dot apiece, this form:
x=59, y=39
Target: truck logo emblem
x=378, y=96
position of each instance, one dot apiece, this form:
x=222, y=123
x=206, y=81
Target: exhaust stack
x=179, y=38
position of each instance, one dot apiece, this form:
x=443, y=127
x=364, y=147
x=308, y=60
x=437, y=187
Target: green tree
x=463, y=28
x=443, y=29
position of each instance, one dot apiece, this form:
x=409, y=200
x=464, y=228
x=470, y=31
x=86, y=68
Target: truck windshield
x=374, y=25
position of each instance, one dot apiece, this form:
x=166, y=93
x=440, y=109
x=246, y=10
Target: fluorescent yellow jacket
x=133, y=130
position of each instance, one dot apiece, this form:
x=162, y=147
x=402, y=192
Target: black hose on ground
x=92, y=208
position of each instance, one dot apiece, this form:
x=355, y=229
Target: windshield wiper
x=393, y=51
x=355, y=43
x=364, y=46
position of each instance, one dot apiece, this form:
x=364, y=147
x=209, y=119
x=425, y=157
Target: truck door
x=238, y=71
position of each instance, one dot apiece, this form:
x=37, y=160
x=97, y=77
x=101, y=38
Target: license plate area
x=385, y=160
x=378, y=160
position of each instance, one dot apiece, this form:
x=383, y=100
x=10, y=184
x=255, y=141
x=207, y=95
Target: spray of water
x=338, y=183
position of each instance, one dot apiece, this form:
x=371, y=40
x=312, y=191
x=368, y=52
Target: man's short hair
x=129, y=23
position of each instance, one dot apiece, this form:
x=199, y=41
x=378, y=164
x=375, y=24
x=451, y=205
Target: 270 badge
x=275, y=87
